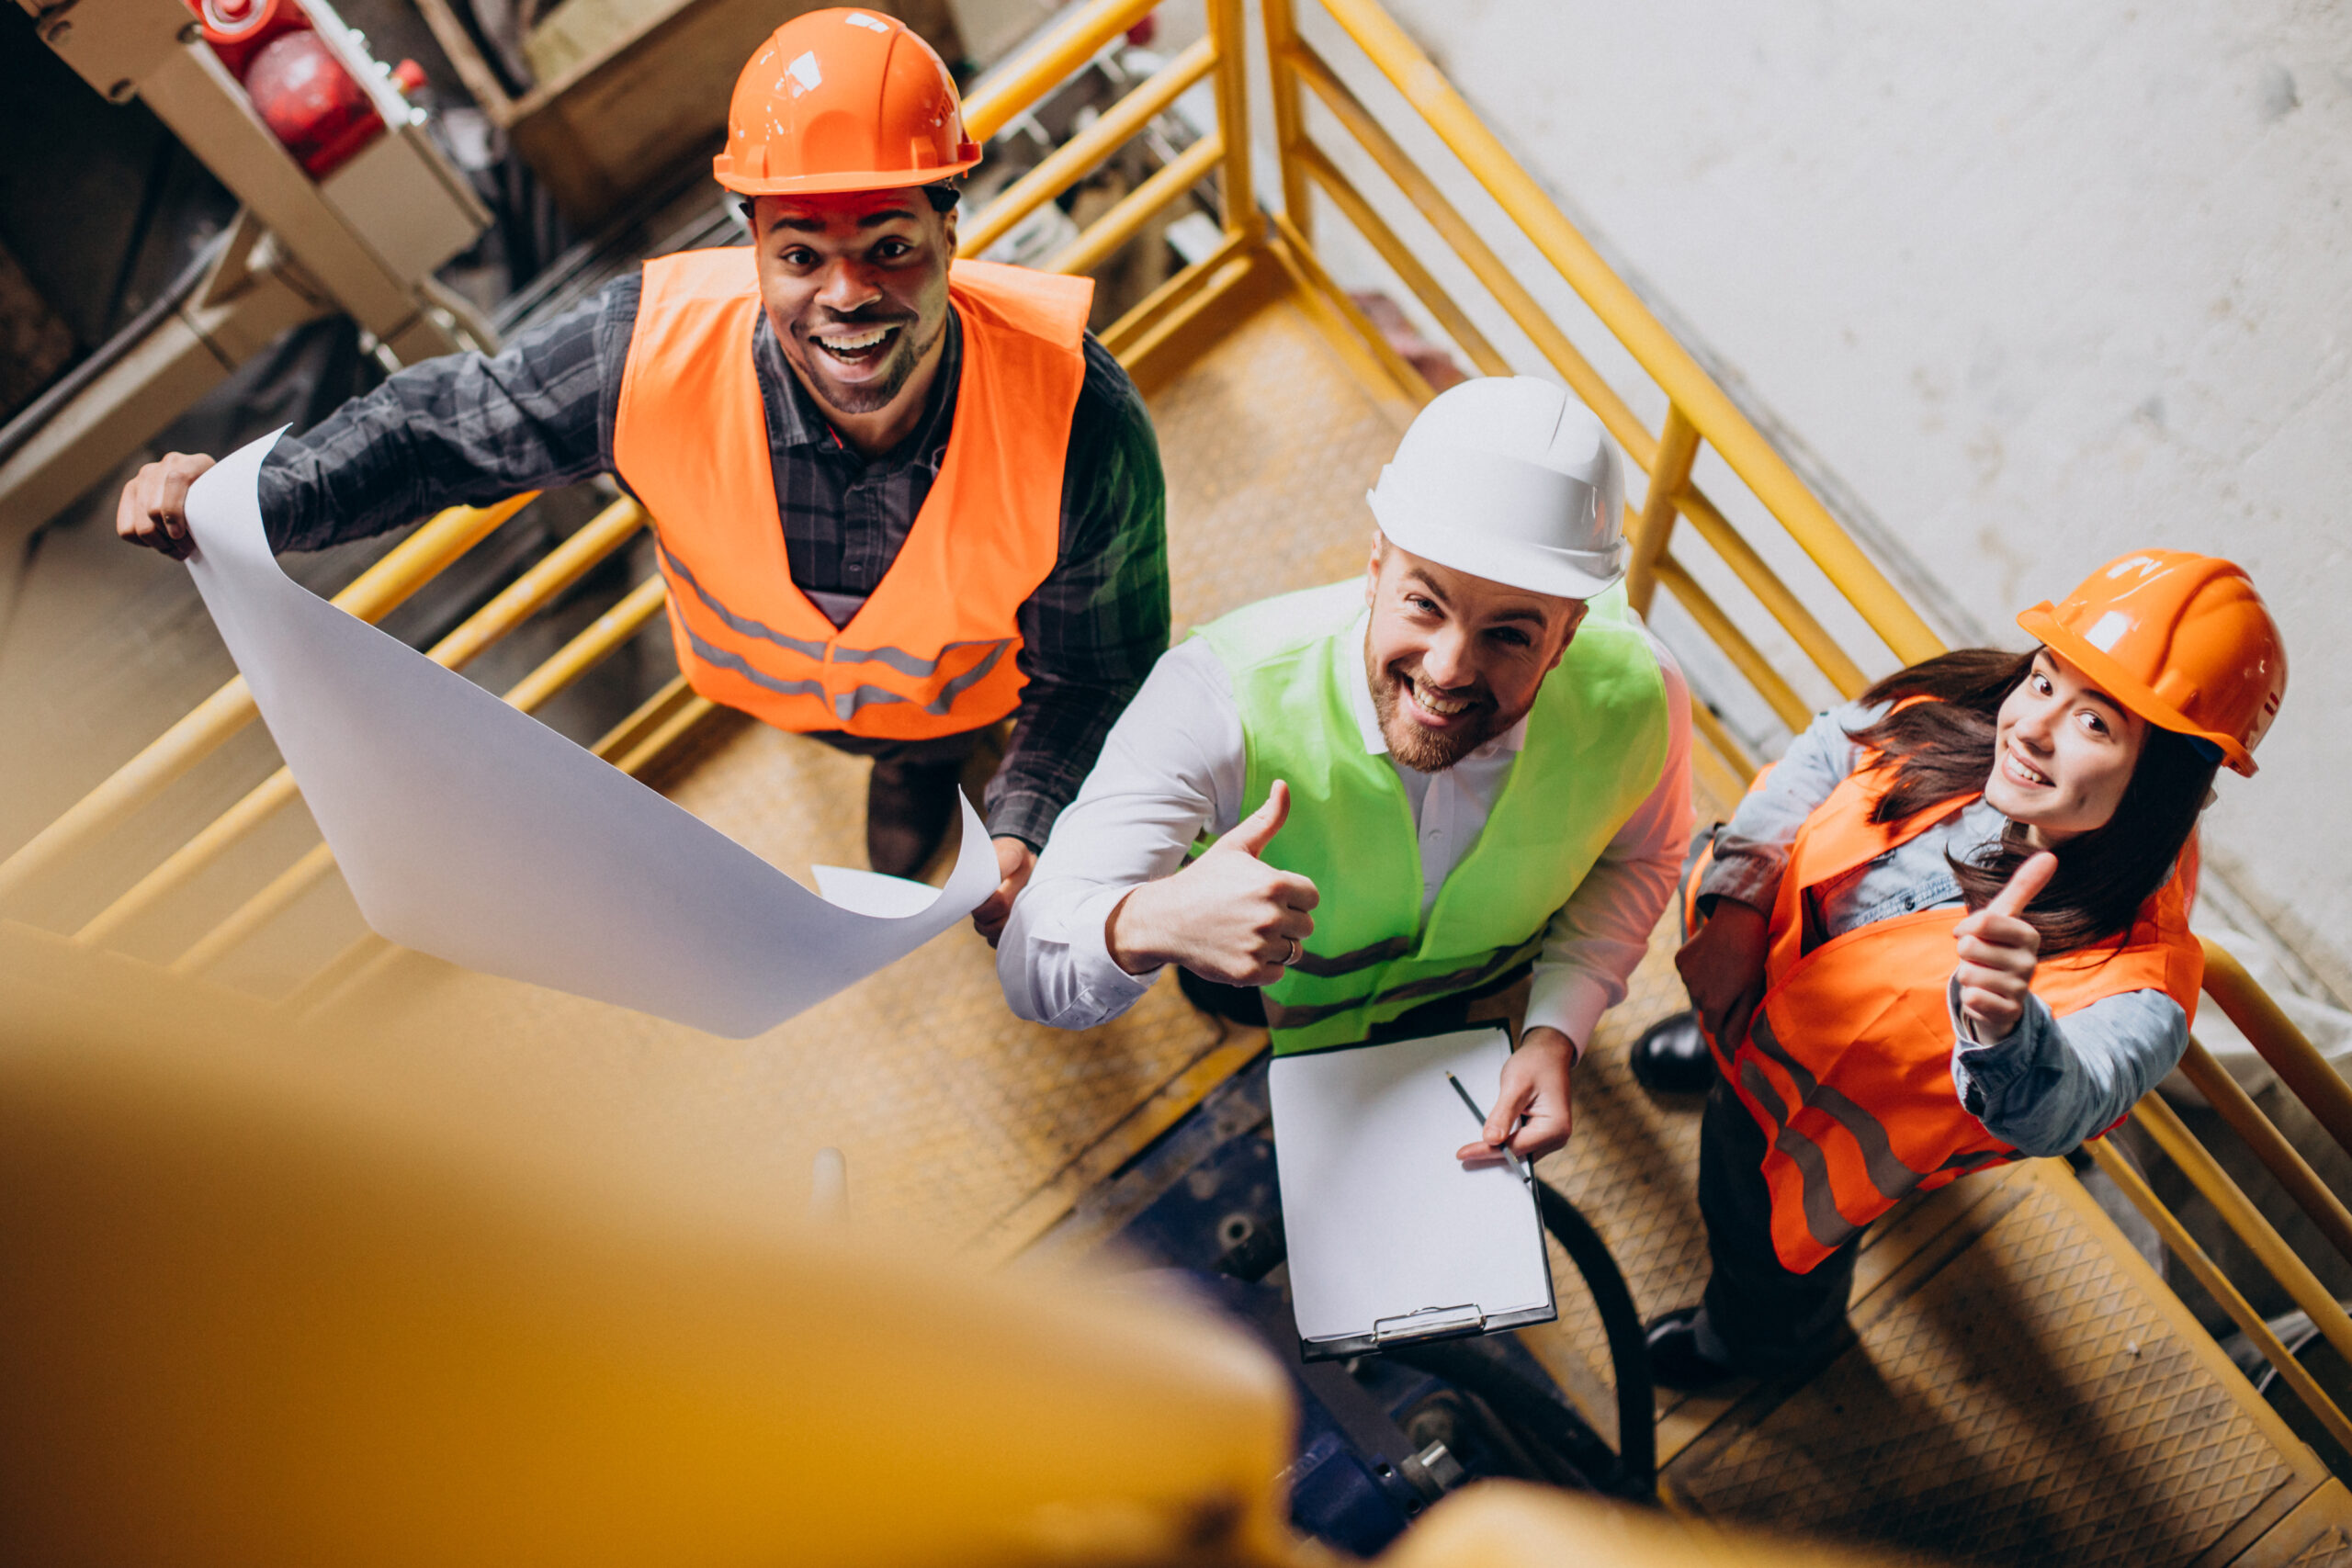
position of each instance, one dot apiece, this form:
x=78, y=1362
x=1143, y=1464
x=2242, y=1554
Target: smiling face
x=1453, y=660
x=855, y=286
x=2062, y=752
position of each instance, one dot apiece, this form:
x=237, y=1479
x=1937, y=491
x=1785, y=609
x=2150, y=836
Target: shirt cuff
x=1026, y=814
x=1099, y=978
x=1752, y=879
x=1569, y=1001
x=1984, y=1071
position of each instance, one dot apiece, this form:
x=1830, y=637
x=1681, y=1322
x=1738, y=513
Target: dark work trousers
x=1770, y=1319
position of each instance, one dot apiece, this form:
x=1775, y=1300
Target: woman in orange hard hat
x=1949, y=927
x=897, y=497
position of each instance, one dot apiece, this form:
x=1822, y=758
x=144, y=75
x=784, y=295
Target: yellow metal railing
x=1698, y=416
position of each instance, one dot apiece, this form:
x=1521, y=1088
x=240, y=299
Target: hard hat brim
x=1562, y=574
x=841, y=182
x=2041, y=624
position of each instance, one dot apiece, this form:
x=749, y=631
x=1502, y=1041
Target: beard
x=871, y=396
x=1423, y=750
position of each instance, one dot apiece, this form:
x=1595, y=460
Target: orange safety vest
x=933, y=651
x=1847, y=1066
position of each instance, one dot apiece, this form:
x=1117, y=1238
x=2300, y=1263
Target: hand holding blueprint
x=469, y=830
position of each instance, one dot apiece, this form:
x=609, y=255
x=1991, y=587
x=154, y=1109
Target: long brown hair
x=1943, y=749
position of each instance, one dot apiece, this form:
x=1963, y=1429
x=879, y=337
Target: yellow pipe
x=566, y=665
x=1669, y=470
x=1308, y=268
x=1718, y=419
x=278, y=896
x=2269, y=1146
x=2298, y=1064
x=1408, y=266
x=210, y=842
x=1775, y=595
x=1132, y=334
x=1280, y=24
x=650, y=715
x=1484, y=264
x=2238, y=1211
x=1787, y=706
x=1077, y=157
x=1230, y=31
x=554, y=572
x=372, y=595
x=2184, y=1246
x=1013, y=89
x=590, y=646
x=1115, y=227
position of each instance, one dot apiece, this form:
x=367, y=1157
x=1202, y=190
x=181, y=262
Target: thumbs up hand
x=1227, y=917
x=1999, y=952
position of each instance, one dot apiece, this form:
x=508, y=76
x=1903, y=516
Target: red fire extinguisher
x=300, y=89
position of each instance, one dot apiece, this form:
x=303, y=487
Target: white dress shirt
x=1174, y=767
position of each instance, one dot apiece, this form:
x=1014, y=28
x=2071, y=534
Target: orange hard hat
x=2183, y=640
x=842, y=100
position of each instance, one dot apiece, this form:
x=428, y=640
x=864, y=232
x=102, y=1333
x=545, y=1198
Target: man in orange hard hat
x=897, y=497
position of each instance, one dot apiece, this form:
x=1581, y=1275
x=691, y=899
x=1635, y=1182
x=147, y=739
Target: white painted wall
x=2035, y=284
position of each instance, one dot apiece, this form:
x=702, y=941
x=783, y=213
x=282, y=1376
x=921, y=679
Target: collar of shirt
x=802, y=425
x=1359, y=690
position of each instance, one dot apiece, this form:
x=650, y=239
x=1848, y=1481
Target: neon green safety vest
x=1595, y=747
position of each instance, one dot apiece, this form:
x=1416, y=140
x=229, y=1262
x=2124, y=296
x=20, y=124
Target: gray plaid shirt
x=470, y=429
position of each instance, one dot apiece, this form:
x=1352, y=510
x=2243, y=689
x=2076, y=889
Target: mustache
x=860, y=318
x=1476, y=695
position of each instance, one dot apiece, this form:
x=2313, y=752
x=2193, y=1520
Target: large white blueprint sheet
x=1381, y=1221
x=469, y=830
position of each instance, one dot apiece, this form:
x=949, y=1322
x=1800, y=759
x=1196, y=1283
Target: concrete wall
x=2034, y=284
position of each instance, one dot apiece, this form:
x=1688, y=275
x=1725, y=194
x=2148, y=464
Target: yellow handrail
x=372, y=595
x=1669, y=472
x=1400, y=259
x=1121, y=223
x=1686, y=384
x=2163, y=1124
x=2260, y=1134
x=2268, y=1029
x=1011, y=89
x=1074, y=159
x=2201, y=1264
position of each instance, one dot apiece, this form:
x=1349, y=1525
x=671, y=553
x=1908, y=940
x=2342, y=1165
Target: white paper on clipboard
x=1383, y=1224
x=469, y=831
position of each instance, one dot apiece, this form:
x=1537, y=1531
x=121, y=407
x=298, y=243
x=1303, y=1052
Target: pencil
x=1510, y=1159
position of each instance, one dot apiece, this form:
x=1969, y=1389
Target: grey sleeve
x=1752, y=850
x=2048, y=1087
x=464, y=429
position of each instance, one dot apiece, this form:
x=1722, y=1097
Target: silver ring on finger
x=1296, y=952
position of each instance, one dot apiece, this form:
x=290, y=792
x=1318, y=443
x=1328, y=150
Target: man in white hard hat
x=1421, y=788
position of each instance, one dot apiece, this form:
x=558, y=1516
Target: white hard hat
x=1510, y=478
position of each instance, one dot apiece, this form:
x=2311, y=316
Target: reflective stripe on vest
x=1595, y=746
x=1847, y=1066
x=932, y=651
